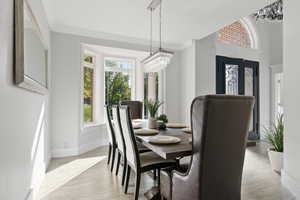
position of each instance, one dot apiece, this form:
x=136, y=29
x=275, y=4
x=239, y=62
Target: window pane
x=154, y=87
x=117, y=87
x=89, y=59
x=235, y=34
x=249, y=89
x=232, y=79
x=110, y=63
x=118, y=64
x=88, y=94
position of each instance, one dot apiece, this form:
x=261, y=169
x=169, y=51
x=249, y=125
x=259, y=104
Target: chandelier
x=159, y=59
x=272, y=12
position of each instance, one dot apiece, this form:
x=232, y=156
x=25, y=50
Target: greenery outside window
x=88, y=89
x=119, y=80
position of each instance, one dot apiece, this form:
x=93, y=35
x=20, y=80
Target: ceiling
x=129, y=20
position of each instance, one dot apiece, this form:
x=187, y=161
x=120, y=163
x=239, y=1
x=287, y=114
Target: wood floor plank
x=98, y=183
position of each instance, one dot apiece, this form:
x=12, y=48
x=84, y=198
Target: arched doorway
x=236, y=74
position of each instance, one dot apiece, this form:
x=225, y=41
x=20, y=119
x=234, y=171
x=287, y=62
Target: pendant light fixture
x=272, y=12
x=159, y=59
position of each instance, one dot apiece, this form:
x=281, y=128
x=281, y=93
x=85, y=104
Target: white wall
x=276, y=43
x=24, y=123
x=188, y=81
x=206, y=65
x=173, y=89
x=68, y=138
x=291, y=97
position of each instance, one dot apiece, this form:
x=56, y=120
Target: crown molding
x=113, y=37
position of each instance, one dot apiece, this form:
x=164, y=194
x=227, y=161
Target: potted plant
x=152, y=107
x=163, y=118
x=274, y=135
x=161, y=121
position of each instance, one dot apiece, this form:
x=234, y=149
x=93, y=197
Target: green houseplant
x=163, y=118
x=152, y=107
x=274, y=135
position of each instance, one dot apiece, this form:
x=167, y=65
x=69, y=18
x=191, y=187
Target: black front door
x=240, y=77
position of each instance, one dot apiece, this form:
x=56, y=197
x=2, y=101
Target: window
x=151, y=88
x=119, y=80
x=88, y=89
x=278, y=94
x=235, y=34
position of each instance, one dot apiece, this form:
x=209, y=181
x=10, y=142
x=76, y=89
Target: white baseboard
x=291, y=184
x=90, y=146
x=59, y=153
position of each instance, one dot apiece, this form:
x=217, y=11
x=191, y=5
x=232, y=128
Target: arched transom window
x=235, y=34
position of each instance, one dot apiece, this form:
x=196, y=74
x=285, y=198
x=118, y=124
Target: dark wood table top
x=169, y=151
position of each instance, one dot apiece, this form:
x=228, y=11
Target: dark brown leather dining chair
x=220, y=129
x=135, y=107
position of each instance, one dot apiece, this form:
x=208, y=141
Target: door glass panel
x=249, y=89
x=248, y=81
x=231, y=81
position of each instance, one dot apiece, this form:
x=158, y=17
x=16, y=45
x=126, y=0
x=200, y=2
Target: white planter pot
x=276, y=159
x=152, y=123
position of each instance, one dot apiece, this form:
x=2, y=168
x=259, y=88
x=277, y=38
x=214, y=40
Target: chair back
x=118, y=129
x=220, y=132
x=129, y=137
x=135, y=108
x=109, y=127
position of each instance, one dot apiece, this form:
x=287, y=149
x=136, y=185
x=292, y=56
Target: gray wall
x=24, y=124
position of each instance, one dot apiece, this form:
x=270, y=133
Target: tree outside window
x=88, y=96
x=118, y=81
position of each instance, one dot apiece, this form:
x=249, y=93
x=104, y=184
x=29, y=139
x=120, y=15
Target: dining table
x=166, y=151
x=169, y=151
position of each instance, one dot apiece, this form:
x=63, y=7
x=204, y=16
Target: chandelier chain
x=151, y=32
x=160, y=24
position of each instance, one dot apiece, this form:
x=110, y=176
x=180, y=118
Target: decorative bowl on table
x=164, y=140
x=187, y=130
x=146, y=131
x=176, y=125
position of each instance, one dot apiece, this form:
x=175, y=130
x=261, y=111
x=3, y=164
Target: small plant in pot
x=152, y=107
x=161, y=121
x=274, y=135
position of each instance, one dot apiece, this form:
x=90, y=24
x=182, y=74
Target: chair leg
x=137, y=185
x=127, y=179
x=109, y=153
x=118, y=163
x=158, y=178
x=113, y=159
x=124, y=171
x=154, y=174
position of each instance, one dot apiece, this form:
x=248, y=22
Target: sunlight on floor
x=63, y=174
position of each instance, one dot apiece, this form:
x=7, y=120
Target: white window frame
x=93, y=66
x=276, y=73
x=131, y=72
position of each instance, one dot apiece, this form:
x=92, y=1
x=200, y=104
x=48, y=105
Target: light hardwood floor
x=87, y=177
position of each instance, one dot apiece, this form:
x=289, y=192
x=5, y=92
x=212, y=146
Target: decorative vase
x=276, y=160
x=152, y=123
